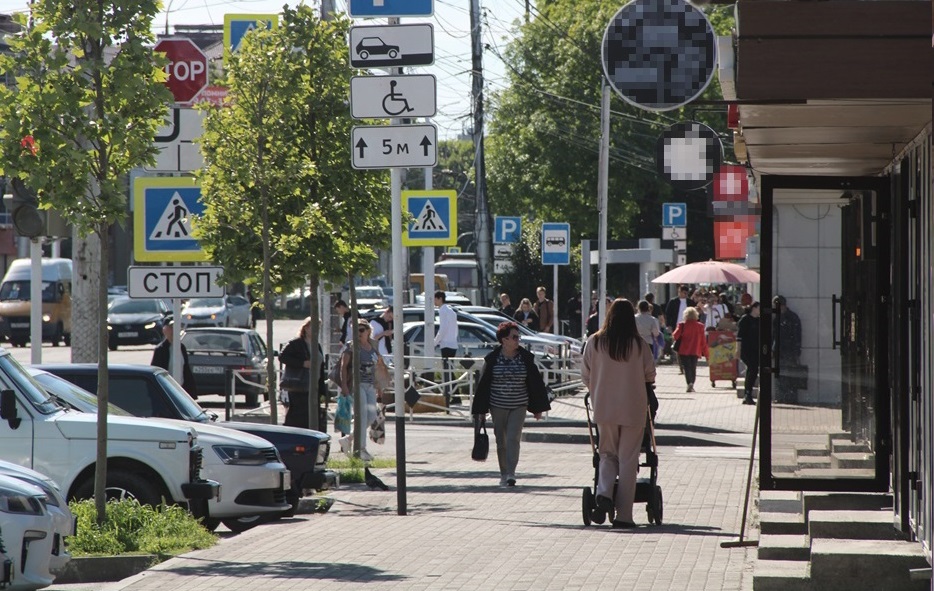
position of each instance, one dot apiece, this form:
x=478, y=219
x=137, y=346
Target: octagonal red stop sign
x=187, y=68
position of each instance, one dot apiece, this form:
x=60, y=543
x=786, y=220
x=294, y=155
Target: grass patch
x=131, y=528
x=351, y=469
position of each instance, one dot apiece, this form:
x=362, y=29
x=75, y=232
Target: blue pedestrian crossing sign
x=236, y=26
x=506, y=230
x=675, y=214
x=432, y=218
x=386, y=8
x=163, y=209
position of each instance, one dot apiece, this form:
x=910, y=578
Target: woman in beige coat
x=617, y=365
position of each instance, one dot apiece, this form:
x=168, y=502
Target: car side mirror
x=8, y=408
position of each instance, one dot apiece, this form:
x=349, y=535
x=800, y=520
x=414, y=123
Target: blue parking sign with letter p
x=675, y=214
x=506, y=230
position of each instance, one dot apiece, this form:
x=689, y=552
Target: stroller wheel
x=587, y=505
x=659, y=506
x=599, y=517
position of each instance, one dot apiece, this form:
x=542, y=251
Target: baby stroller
x=647, y=489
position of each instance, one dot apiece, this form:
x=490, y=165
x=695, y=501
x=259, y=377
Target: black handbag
x=295, y=380
x=676, y=345
x=481, y=441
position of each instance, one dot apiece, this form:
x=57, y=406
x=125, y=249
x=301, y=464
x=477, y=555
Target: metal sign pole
x=35, y=296
x=603, y=173
x=554, y=324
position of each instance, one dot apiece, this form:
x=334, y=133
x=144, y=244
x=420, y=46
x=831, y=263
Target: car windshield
x=186, y=405
x=75, y=397
x=15, y=377
x=369, y=292
x=206, y=303
x=135, y=307
x=20, y=290
x=210, y=341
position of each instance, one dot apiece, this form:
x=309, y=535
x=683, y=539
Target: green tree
x=90, y=97
x=282, y=203
x=544, y=134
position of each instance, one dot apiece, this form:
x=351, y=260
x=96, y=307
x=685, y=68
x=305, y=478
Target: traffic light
x=28, y=219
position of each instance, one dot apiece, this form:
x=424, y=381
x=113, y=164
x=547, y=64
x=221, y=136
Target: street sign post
x=556, y=244
x=675, y=214
x=506, y=230
x=389, y=8
x=394, y=146
x=503, y=251
x=162, y=212
x=376, y=97
x=392, y=46
x=434, y=218
x=187, y=68
x=174, y=282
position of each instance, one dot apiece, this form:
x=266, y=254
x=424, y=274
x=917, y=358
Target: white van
x=56, y=302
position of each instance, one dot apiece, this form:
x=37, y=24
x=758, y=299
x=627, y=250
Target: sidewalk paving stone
x=464, y=532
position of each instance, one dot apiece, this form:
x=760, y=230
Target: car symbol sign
x=392, y=46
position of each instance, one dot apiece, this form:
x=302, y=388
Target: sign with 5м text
x=163, y=209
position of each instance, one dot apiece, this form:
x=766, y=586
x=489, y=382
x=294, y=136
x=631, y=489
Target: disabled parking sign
x=163, y=210
x=432, y=218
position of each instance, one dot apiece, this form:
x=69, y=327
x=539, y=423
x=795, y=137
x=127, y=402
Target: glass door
x=825, y=258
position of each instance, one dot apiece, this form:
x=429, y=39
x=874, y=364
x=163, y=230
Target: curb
x=96, y=569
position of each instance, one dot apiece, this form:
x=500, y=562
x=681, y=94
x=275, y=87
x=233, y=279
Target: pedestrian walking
x=573, y=312
x=648, y=327
x=545, y=309
x=747, y=348
x=446, y=339
x=296, y=362
x=674, y=312
x=343, y=312
x=526, y=316
x=368, y=361
x=786, y=343
x=382, y=327
x=162, y=357
x=509, y=386
x=506, y=306
x=693, y=344
x=617, y=365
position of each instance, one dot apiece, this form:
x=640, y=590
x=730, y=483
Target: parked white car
x=26, y=535
x=230, y=310
x=252, y=476
x=63, y=522
x=370, y=296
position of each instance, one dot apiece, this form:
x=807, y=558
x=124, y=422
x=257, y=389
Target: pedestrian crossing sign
x=430, y=218
x=163, y=210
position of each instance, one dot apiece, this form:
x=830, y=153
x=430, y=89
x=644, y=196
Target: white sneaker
x=365, y=456
x=345, y=443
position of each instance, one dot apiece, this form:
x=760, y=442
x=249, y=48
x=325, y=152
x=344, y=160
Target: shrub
x=134, y=528
x=351, y=469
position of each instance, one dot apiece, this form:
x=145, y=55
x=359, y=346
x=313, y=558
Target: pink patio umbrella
x=709, y=272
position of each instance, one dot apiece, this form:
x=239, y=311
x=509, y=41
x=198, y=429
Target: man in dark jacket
x=162, y=356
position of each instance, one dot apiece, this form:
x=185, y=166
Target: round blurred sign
x=659, y=54
x=687, y=155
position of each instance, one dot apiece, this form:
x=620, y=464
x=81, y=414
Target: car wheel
x=112, y=345
x=241, y=524
x=210, y=524
x=58, y=335
x=123, y=485
x=364, y=54
x=393, y=54
x=67, y=339
x=292, y=498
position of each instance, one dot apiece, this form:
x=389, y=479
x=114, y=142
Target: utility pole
x=482, y=225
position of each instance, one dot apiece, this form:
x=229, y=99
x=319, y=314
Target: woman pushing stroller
x=616, y=367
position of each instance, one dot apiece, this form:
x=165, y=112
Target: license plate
x=207, y=369
x=19, y=325
x=124, y=335
x=286, y=480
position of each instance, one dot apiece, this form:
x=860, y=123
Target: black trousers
x=297, y=413
x=690, y=367
x=447, y=374
x=752, y=374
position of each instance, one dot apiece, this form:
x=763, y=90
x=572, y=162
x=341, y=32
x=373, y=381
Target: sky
x=451, y=22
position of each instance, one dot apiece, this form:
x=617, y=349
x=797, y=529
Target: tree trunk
x=86, y=284
x=314, y=395
x=103, y=380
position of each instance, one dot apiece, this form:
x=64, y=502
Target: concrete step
x=782, y=524
x=849, y=447
x=835, y=473
x=850, y=460
x=811, y=450
x=881, y=565
x=793, y=547
x=813, y=462
x=844, y=501
x=780, y=501
x=853, y=525
x=781, y=575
